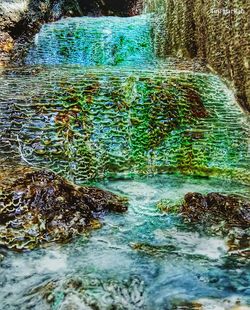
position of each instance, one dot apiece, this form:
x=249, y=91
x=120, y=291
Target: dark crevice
x=110, y=7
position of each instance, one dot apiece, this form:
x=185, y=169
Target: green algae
x=168, y=205
x=91, y=124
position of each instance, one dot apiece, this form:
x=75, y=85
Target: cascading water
x=94, y=102
x=124, y=111
x=92, y=41
x=90, y=124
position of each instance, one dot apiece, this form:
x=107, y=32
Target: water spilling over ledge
x=93, y=41
x=94, y=123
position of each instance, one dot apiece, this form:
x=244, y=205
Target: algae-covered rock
x=155, y=250
x=37, y=207
x=169, y=205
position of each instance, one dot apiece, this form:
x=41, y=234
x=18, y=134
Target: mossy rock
x=155, y=250
x=169, y=205
x=39, y=207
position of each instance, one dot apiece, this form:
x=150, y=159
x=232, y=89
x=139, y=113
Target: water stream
x=142, y=260
x=93, y=103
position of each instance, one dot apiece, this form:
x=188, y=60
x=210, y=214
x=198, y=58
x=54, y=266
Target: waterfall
x=96, y=104
x=108, y=107
x=92, y=41
x=91, y=123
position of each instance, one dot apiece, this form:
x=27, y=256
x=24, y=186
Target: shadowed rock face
x=110, y=7
x=37, y=207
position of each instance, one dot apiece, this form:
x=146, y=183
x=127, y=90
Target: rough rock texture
x=37, y=207
x=215, y=207
x=21, y=19
x=6, y=46
x=214, y=31
x=227, y=216
x=110, y=7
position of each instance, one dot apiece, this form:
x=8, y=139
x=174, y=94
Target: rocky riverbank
x=216, y=214
x=38, y=207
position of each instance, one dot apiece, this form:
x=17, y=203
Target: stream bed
x=144, y=259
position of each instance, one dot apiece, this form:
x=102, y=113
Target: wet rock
x=215, y=208
x=155, y=250
x=6, y=46
x=230, y=303
x=38, y=207
x=217, y=214
x=226, y=216
x=82, y=292
x=168, y=206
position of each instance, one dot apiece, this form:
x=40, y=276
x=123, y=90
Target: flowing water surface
x=144, y=259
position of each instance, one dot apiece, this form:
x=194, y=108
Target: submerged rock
x=86, y=293
x=37, y=207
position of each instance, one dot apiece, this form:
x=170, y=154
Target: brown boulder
x=37, y=207
x=215, y=207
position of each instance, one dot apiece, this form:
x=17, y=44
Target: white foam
x=192, y=243
x=19, y=6
x=52, y=262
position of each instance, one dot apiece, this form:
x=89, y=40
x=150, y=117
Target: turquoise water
x=90, y=41
x=108, y=269
x=92, y=123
